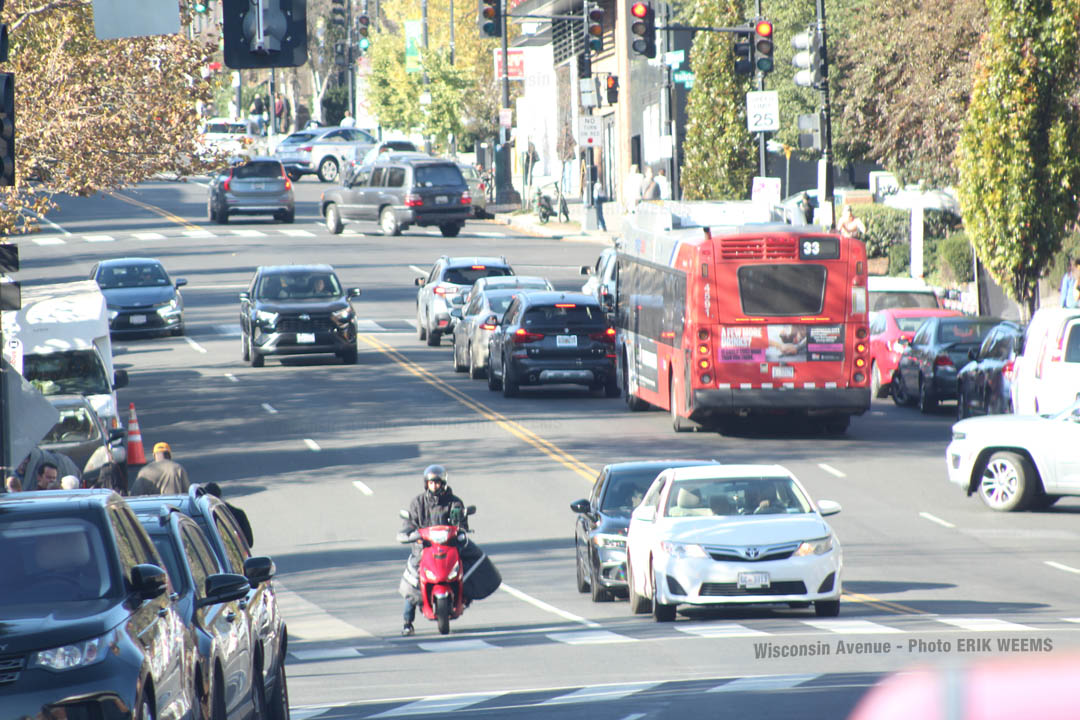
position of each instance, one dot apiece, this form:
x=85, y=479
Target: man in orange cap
x=163, y=476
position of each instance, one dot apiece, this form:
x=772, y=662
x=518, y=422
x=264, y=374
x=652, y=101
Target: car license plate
x=137, y=319
x=305, y=337
x=784, y=371
x=260, y=186
x=441, y=199
x=752, y=581
x=566, y=341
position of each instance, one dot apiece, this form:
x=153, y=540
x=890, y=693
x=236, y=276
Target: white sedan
x=1017, y=461
x=731, y=535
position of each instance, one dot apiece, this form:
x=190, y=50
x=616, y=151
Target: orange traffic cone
x=135, y=453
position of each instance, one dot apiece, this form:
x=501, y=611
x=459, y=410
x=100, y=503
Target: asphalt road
x=322, y=456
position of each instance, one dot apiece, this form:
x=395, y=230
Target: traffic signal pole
x=763, y=158
x=827, y=112
x=504, y=188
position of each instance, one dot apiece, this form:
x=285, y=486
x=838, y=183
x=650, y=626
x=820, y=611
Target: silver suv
x=321, y=151
x=448, y=277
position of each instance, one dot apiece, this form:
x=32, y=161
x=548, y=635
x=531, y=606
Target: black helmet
x=435, y=472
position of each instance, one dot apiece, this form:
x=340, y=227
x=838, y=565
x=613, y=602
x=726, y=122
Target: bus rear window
x=770, y=290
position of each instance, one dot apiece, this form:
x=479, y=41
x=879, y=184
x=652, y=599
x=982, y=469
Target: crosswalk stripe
x=590, y=637
x=437, y=704
x=231, y=330
x=341, y=653
x=368, y=326
x=247, y=232
x=599, y=693
x=763, y=683
x=148, y=236
x=488, y=234
x=719, y=631
x=984, y=624
x=852, y=627
x=98, y=238
x=49, y=241
x=1071, y=620
x=297, y=232
x=455, y=645
x=199, y=234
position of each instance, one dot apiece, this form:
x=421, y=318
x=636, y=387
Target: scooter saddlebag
x=481, y=577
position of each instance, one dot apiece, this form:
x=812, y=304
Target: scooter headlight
x=439, y=537
x=431, y=576
x=454, y=572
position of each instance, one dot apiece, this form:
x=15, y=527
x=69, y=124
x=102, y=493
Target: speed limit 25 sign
x=762, y=111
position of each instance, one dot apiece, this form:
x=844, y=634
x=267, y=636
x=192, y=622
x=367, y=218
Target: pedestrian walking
x=258, y=113
x=598, y=201
x=663, y=184
x=1070, y=285
x=348, y=120
x=650, y=190
x=851, y=226
x=163, y=476
x=631, y=189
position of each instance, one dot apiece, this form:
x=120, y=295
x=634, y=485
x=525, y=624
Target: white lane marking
x=368, y=326
x=877, y=412
x=600, y=693
x=99, y=238
x=199, y=234
x=763, y=683
x=195, y=346
x=49, y=241
x=231, y=377
x=437, y=704
x=312, y=444
x=269, y=408
x=455, y=645
x=590, y=637
x=419, y=270
x=297, y=233
x=853, y=627
x=50, y=223
x=634, y=716
x=935, y=519
x=359, y=485
x=230, y=330
x=310, y=623
x=719, y=631
x=247, y=232
x=548, y=608
x=488, y=234
x=984, y=624
x=344, y=653
x=831, y=470
x=1072, y=620
x=307, y=713
x=148, y=236
x=1059, y=566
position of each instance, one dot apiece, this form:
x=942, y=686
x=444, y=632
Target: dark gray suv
x=400, y=192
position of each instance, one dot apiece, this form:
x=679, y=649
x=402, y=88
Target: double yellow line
x=514, y=428
x=154, y=209
x=881, y=604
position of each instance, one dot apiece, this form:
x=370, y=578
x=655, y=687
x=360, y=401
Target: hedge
x=954, y=253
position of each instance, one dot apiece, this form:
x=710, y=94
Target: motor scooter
x=441, y=575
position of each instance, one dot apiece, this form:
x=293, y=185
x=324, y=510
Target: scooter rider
x=436, y=505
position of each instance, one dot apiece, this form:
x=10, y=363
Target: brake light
x=413, y=200
x=288, y=182
x=478, y=267
x=521, y=336
x=1007, y=371
x=466, y=198
x=487, y=326
x=565, y=305
x=306, y=148
x=605, y=336
x=943, y=361
x=228, y=182
x=444, y=290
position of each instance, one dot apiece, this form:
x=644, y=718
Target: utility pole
x=504, y=188
x=827, y=130
x=350, y=54
x=763, y=158
x=427, y=80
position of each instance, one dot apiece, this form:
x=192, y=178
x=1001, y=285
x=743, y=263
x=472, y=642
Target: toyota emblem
x=752, y=552
x=305, y=316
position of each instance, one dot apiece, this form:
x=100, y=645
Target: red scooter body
x=441, y=575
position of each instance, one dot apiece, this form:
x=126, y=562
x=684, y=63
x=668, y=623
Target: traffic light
x=363, y=26
x=264, y=33
x=337, y=13
x=763, y=46
x=810, y=60
x=744, y=53
x=596, y=28
x=490, y=17
x=643, y=28
x=7, y=129
x=612, y=89
x=201, y=6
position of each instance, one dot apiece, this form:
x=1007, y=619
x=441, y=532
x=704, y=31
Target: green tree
x=1019, y=151
x=718, y=160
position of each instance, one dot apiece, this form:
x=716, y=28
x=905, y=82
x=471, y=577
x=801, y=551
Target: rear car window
x=258, y=170
x=297, y=138
x=782, y=289
x=469, y=274
x=564, y=315
x=963, y=332
x=909, y=324
x=884, y=300
x=437, y=175
x=399, y=145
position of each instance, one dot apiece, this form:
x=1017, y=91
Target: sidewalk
x=529, y=223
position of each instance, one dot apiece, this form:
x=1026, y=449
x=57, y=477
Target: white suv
x=1046, y=377
x=448, y=277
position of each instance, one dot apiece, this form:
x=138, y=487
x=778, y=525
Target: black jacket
x=427, y=509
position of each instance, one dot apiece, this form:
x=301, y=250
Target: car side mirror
x=456, y=313
x=245, y=296
x=120, y=379
x=644, y=514
x=258, y=570
x=148, y=581
x=580, y=506
x=457, y=300
x=404, y=514
x=470, y=510
x=180, y=282
x=419, y=282
x=828, y=507
x=586, y=270
x=223, y=588
x=971, y=354
x=353, y=292
x=117, y=434
x=493, y=321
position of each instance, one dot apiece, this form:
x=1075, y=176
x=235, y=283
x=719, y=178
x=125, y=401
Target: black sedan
x=141, y=297
x=603, y=519
x=297, y=310
x=927, y=370
x=208, y=600
x=89, y=628
x=552, y=338
x=984, y=385
x=260, y=609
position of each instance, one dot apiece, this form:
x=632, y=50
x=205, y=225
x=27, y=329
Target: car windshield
x=77, y=372
x=883, y=300
x=735, y=496
x=47, y=561
x=564, y=315
x=964, y=332
x=624, y=491
x=298, y=286
x=75, y=425
x=298, y=137
x=469, y=274
x=110, y=277
x=437, y=176
x=258, y=170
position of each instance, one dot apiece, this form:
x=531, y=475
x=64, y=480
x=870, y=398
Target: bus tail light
x=703, y=349
x=860, y=378
x=860, y=362
x=521, y=336
x=706, y=379
x=704, y=364
x=860, y=273
x=860, y=347
x=703, y=334
x=861, y=333
x=943, y=361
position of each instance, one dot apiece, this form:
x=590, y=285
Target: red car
x=890, y=332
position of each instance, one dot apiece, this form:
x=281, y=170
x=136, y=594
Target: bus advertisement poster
x=786, y=343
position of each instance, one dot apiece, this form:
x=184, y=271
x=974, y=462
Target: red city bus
x=717, y=323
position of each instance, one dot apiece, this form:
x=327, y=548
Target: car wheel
x=582, y=583
x=961, y=405
x=450, y=229
x=827, y=608
x=661, y=612
x=639, y=604
x=388, y=222
x=351, y=356
x=333, y=219
x=434, y=338
x=458, y=366
x=279, y=701
x=509, y=382
x=222, y=216
x=245, y=353
x=876, y=390
x=328, y=170
x=927, y=400
x=288, y=217
x=678, y=423
x=258, y=694
x=900, y=394
x=493, y=382
x=421, y=329
x=210, y=214
x=257, y=360
x=145, y=710
x=1008, y=482
x=475, y=373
